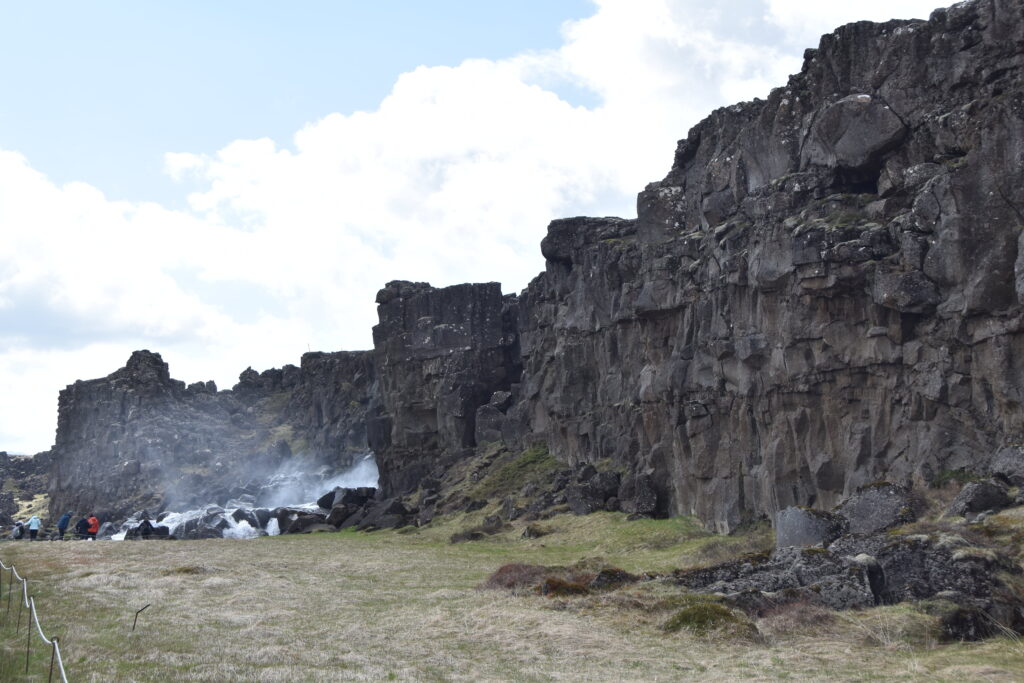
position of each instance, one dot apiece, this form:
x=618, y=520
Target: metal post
x=28, y=642
x=18, y=629
x=53, y=653
x=137, y=617
x=10, y=587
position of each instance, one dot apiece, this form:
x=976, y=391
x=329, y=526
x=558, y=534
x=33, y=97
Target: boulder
x=802, y=527
x=247, y=516
x=979, y=496
x=107, y=529
x=1008, y=465
x=637, y=495
x=262, y=516
x=339, y=513
x=304, y=521
x=877, y=507
x=353, y=520
x=357, y=497
x=329, y=499
x=593, y=492
x=387, y=514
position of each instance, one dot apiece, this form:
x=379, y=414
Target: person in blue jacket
x=62, y=524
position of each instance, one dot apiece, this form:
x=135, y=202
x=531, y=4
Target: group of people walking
x=86, y=528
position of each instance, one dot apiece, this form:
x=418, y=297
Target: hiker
x=33, y=527
x=18, y=531
x=82, y=528
x=94, y=526
x=62, y=524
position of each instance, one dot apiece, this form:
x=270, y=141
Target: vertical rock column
x=440, y=355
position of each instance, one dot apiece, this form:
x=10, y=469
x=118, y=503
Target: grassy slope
x=405, y=606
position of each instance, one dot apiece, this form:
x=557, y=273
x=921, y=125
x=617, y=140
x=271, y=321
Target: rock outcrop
x=139, y=439
x=824, y=291
x=441, y=354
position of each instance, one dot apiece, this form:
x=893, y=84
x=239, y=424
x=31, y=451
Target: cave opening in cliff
x=857, y=181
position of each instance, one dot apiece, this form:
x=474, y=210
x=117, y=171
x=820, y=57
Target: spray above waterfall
x=287, y=492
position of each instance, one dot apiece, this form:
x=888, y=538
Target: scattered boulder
x=979, y=496
x=339, y=513
x=107, y=529
x=1008, y=465
x=592, y=490
x=262, y=516
x=387, y=514
x=877, y=507
x=637, y=495
x=302, y=522
x=247, y=516
x=801, y=527
x=327, y=500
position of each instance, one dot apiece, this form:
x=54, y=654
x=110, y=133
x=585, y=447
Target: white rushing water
x=288, y=487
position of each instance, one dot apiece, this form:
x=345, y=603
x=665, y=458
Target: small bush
x=536, y=531
x=555, y=587
x=799, y=617
x=515, y=575
x=704, y=615
x=610, y=578
x=186, y=570
x=490, y=526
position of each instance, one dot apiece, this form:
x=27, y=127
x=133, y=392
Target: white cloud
x=453, y=178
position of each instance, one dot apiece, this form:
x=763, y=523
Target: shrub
x=515, y=575
x=554, y=586
x=536, y=531
x=704, y=615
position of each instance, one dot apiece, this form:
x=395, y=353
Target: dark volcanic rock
x=979, y=496
x=877, y=507
x=637, y=495
x=441, y=354
x=1008, y=465
x=386, y=514
x=865, y=570
x=138, y=438
x=801, y=527
x=592, y=494
x=824, y=291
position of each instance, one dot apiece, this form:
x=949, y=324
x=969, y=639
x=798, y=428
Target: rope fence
x=29, y=604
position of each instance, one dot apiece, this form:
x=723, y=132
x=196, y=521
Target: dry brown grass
x=390, y=606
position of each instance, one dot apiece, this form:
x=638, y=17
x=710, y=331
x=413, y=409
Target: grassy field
x=408, y=606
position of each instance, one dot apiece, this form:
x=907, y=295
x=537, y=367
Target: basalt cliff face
x=825, y=291
x=441, y=354
x=138, y=439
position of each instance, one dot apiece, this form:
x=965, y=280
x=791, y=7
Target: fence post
x=28, y=642
x=53, y=653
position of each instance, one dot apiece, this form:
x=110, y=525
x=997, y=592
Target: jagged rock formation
x=22, y=478
x=138, y=439
x=440, y=354
x=823, y=292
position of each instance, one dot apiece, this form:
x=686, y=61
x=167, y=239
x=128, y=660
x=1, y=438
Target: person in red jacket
x=94, y=526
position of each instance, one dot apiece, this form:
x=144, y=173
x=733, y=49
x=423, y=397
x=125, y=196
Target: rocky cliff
x=440, y=354
x=824, y=291
x=140, y=439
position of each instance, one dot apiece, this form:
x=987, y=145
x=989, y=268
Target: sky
x=230, y=183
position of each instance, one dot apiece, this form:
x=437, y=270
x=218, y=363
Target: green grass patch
x=509, y=474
